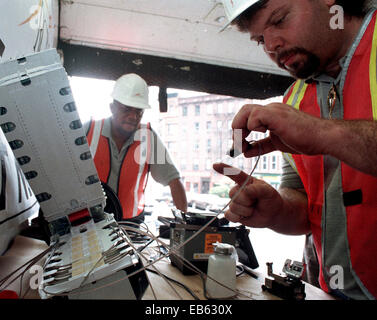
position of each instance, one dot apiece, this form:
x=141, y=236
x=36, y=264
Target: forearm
x=293, y=218
x=354, y=142
x=178, y=194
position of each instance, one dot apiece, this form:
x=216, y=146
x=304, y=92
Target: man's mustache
x=283, y=55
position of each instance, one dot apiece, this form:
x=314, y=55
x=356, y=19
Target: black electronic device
x=184, y=225
x=289, y=285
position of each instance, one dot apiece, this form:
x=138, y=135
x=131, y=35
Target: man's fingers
x=229, y=215
x=239, y=209
x=235, y=217
x=259, y=148
x=244, y=118
x=244, y=198
x=266, y=145
x=233, y=173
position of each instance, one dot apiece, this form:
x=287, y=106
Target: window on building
x=209, y=125
x=196, y=145
x=264, y=160
x=219, y=124
x=195, y=165
x=197, y=110
x=184, y=111
x=197, y=126
x=273, y=163
x=209, y=145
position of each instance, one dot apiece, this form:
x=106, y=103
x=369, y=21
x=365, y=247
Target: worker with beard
x=326, y=127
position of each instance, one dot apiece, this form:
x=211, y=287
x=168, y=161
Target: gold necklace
x=331, y=100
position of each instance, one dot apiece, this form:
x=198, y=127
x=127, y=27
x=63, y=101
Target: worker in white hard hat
x=327, y=129
x=125, y=150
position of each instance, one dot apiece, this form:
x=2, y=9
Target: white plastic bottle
x=222, y=267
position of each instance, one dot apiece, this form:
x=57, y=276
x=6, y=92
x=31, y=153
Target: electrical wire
x=196, y=270
x=161, y=275
x=133, y=237
x=175, y=249
x=120, y=234
x=109, y=250
x=223, y=209
x=36, y=258
x=190, y=265
x=178, y=283
x=93, y=267
x=26, y=266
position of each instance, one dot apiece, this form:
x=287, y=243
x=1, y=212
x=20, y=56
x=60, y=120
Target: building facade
x=197, y=132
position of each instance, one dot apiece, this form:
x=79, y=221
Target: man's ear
x=330, y=3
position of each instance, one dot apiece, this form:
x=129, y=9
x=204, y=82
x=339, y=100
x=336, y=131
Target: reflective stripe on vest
x=361, y=218
x=373, y=73
x=141, y=155
x=133, y=170
x=297, y=94
x=294, y=98
x=95, y=135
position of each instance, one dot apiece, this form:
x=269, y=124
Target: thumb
x=233, y=173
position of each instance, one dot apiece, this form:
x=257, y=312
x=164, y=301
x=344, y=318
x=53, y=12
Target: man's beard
x=301, y=70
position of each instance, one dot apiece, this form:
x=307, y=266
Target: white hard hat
x=233, y=8
x=131, y=90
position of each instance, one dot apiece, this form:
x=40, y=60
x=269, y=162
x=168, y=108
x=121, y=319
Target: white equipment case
x=41, y=123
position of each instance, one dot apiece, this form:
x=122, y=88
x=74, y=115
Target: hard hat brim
x=237, y=14
x=133, y=103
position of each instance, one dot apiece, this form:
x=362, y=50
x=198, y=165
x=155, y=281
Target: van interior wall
x=164, y=72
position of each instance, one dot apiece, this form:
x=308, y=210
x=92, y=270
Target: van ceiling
x=171, y=43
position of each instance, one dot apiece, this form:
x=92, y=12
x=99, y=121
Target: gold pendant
x=331, y=100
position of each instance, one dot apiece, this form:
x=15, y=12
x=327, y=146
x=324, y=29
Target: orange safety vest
x=359, y=102
x=134, y=168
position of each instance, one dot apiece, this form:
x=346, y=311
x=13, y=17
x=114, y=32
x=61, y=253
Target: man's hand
x=259, y=205
x=291, y=130
x=178, y=194
x=256, y=205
